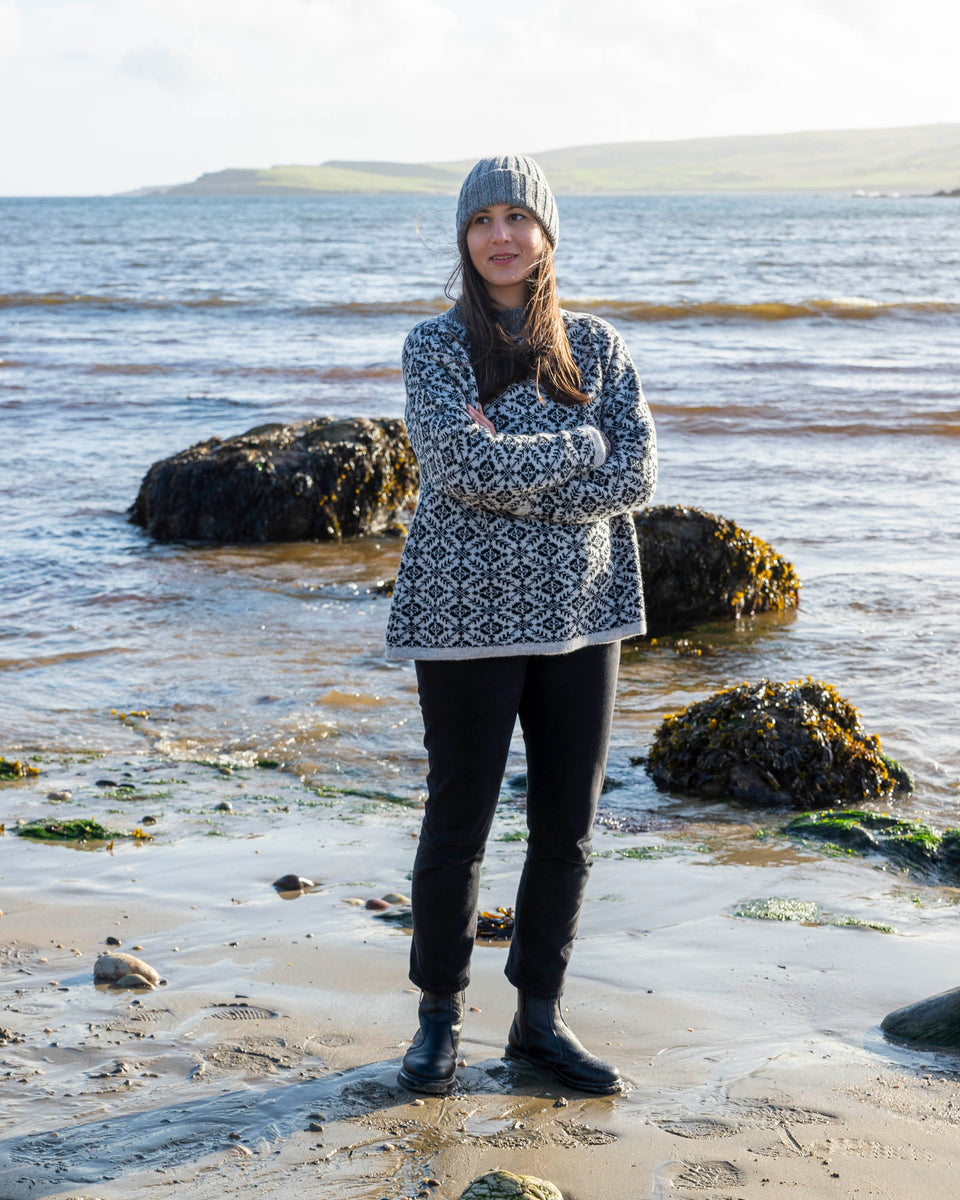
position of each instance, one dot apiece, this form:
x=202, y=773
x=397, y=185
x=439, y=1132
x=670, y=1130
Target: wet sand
x=751, y=1048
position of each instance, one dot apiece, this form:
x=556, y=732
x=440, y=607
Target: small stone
x=113, y=941
x=292, y=883
x=132, y=981
x=387, y=1146
x=138, y=947
x=315, y=1127
x=148, y=820
x=223, y=806
x=354, y=900
x=561, y=1102
x=317, y=1117
x=428, y=1182
x=242, y=1151
x=115, y=966
x=419, y=1103
x=395, y=898
x=504, y=1185
x=473, y=1008
x=376, y=905
x=234, y=1136
x=107, y=783
x=59, y=797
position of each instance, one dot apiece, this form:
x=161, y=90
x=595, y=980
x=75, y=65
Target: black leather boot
x=430, y=1065
x=540, y=1036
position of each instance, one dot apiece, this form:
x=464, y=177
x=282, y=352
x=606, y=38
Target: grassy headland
x=919, y=158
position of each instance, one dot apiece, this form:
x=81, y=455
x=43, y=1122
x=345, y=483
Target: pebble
x=355, y=901
x=115, y=966
x=561, y=1102
x=132, y=981
x=292, y=883
x=376, y=905
x=419, y=1103
x=107, y=783
x=60, y=796
x=224, y=806
x=388, y=1146
x=396, y=898
x=148, y=820
x=113, y=941
x=315, y=1127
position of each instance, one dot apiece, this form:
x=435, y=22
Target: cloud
x=125, y=94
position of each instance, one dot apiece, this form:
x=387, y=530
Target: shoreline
x=751, y=1047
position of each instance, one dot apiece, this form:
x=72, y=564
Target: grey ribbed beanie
x=508, y=179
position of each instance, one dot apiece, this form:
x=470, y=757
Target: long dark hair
x=543, y=350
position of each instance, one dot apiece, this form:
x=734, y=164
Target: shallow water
x=798, y=352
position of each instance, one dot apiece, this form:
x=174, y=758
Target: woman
x=519, y=577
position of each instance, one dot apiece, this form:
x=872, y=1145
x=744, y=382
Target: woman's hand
x=481, y=420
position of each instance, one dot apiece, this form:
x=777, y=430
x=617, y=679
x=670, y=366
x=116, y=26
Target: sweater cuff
x=599, y=446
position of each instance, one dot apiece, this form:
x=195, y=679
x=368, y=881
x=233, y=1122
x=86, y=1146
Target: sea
x=799, y=353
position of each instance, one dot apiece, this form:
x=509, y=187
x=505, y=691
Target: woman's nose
x=501, y=231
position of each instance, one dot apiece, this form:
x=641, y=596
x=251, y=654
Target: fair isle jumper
x=522, y=541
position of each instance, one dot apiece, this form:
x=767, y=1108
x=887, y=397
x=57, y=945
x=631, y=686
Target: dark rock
x=934, y=1022
x=797, y=745
x=223, y=806
x=113, y=941
x=376, y=905
x=316, y=480
x=698, y=567
x=292, y=883
x=908, y=843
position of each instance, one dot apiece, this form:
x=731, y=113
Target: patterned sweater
x=522, y=542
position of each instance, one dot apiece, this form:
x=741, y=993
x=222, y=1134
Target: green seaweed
x=16, y=769
x=859, y=831
x=806, y=912
x=774, y=908
x=69, y=831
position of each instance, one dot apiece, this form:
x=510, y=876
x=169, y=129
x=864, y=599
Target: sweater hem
x=636, y=629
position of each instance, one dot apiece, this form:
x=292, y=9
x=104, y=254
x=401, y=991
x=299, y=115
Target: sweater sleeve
x=466, y=462
x=628, y=477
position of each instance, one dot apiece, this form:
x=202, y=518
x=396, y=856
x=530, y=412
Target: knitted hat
x=508, y=179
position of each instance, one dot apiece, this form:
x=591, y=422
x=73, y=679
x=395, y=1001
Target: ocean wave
x=840, y=307
x=836, y=307
x=92, y=300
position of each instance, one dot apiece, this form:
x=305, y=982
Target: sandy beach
x=267, y=1060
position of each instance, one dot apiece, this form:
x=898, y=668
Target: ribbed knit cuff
x=599, y=445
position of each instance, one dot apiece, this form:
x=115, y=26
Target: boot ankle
x=430, y=1064
x=540, y=1036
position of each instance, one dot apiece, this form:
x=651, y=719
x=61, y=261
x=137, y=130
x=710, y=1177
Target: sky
x=102, y=96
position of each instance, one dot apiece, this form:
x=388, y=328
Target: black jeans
x=470, y=706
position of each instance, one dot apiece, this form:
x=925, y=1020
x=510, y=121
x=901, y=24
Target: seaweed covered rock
x=698, y=567
x=932, y=1022
x=316, y=480
x=796, y=744
x=909, y=843
x=504, y=1185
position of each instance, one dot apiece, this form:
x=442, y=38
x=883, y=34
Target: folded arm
x=627, y=478
x=466, y=462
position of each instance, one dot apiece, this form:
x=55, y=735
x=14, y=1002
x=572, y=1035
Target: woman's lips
x=503, y=258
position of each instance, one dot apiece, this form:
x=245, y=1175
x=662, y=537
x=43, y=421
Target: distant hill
x=918, y=158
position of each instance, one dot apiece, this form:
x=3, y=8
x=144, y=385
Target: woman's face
x=505, y=243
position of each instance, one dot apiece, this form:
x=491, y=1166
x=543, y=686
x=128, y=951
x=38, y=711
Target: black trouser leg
x=469, y=710
x=566, y=711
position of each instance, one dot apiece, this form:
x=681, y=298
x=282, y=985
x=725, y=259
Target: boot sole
x=609, y=1089
x=432, y=1087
